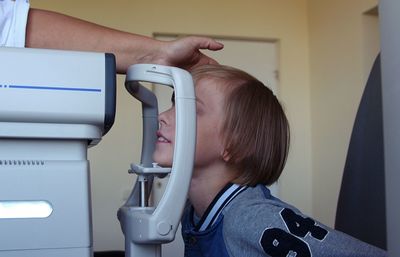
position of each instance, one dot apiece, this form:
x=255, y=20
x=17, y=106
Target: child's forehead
x=212, y=85
x=209, y=88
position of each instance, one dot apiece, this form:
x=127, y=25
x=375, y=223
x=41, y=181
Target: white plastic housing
x=55, y=94
x=53, y=104
x=145, y=227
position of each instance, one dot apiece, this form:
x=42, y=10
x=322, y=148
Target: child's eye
x=173, y=98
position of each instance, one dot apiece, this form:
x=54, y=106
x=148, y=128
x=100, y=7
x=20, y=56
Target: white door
x=255, y=56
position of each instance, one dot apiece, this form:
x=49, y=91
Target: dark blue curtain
x=361, y=208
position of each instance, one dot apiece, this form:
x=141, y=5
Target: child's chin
x=163, y=159
x=163, y=163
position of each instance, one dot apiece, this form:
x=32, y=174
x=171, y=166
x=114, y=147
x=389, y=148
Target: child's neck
x=205, y=185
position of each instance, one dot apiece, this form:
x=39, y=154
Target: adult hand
x=185, y=52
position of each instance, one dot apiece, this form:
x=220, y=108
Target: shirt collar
x=223, y=198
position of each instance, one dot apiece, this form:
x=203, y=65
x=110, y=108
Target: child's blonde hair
x=255, y=129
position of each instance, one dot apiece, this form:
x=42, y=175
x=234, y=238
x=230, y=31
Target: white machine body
x=53, y=105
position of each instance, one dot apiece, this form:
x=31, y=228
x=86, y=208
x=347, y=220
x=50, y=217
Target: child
x=242, y=145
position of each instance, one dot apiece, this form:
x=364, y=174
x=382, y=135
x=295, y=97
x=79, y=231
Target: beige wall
x=340, y=59
x=320, y=86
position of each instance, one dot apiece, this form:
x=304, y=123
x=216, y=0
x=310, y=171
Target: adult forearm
x=46, y=29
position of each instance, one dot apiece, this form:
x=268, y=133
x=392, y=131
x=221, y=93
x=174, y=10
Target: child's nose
x=166, y=117
x=161, y=118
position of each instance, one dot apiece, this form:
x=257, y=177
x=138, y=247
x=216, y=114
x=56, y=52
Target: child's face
x=209, y=110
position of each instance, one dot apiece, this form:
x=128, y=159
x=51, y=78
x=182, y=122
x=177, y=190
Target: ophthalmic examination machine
x=53, y=106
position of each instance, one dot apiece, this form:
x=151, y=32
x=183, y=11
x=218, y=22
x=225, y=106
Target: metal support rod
x=144, y=198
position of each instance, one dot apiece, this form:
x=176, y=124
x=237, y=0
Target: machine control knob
x=163, y=228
